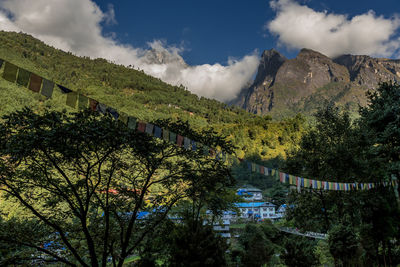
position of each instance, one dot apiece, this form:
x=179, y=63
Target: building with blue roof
x=250, y=193
x=256, y=210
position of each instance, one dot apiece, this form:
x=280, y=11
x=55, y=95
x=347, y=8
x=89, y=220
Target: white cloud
x=76, y=26
x=298, y=26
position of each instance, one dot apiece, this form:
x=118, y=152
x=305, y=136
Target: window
x=265, y=215
x=255, y=209
x=265, y=209
x=271, y=209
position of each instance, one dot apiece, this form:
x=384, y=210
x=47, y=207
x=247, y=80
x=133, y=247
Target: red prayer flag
x=35, y=83
x=141, y=127
x=179, y=140
x=261, y=169
x=93, y=104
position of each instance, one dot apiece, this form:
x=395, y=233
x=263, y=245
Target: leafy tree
x=257, y=248
x=194, y=243
x=337, y=149
x=298, y=251
x=343, y=245
x=381, y=123
x=85, y=179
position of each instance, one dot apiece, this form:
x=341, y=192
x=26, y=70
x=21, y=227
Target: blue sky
x=220, y=40
x=213, y=30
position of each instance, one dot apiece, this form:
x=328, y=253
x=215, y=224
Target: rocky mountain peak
x=308, y=53
x=270, y=62
x=301, y=84
x=162, y=56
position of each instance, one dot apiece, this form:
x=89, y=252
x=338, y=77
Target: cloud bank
x=76, y=26
x=298, y=26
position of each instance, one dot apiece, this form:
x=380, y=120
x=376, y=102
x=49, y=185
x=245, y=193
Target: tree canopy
x=95, y=188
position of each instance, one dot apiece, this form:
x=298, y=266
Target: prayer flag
x=64, y=90
x=194, y=146
x=291, y=179
x=82, y=102
x=123, y=117
x=114, y=113
x=93, y=104
x=253, y=167
x=302, y=182
x=71, y=99
x=266, y=171
x=47, y=88
x=131, y=122
x=206, y=150
x=149, y=128
x=186, y=143
x=179, y=140
x=281, y=177
x=141, y=127
x=101, y=108
x=35, y=83
x=261, y=169
x=10, y=72
x=23, y=77
x=172, y=137
x=286, y=178
x=165, y=134
x=248, y=165
x=157, y=131
x=212, y=152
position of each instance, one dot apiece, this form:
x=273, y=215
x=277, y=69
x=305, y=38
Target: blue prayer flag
x=157, y=132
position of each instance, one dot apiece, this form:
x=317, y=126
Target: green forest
x=81, y=189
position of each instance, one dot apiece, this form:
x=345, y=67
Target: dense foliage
x=363, y=226
x=85, y=180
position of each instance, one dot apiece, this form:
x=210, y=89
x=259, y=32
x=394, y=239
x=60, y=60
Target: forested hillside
x=140, y=95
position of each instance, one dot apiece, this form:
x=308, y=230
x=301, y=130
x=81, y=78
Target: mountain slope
x=287, y=86
x=137, y=94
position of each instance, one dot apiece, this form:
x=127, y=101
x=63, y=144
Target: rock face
x=162, y=56
x=286, y=86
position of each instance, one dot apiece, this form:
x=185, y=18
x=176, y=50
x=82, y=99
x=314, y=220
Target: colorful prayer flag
x=131, y=122
x=194, y=145
x=248, y=163
x=123, y=117
x=165, y=133
x=141, y=127
x=10, y=72
x=253, y=167
x=113, y=112
x=23, y=77
x=186, y=143
x=157, y=131
x=47, y=88
x=101, y=108
x=172, y=137
x=179, y=140
x=71, y=99
x=149, y=128
x=261, y=169
x=206, y=150
x=35, y=83
x=82, y=102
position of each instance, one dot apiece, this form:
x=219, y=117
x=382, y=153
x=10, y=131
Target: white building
x=250, y=193
x=256, y=210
